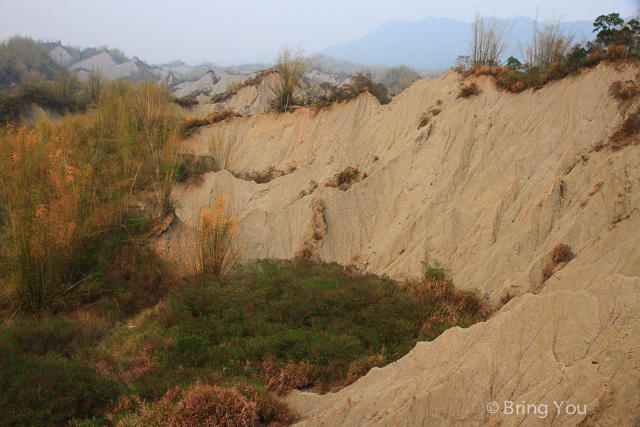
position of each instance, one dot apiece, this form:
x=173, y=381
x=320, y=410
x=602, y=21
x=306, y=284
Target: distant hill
x=431, y=42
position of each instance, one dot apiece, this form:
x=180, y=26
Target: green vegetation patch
x=274, y=326
x=298, y=311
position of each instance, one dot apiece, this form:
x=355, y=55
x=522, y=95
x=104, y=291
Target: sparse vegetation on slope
x=560, y=255
x=552, y=56
x=347, y=178
x=191, y=123
x=329, y=94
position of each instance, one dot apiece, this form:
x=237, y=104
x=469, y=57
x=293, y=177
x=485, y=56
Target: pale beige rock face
x=487, y=188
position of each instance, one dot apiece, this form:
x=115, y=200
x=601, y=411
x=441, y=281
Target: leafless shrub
x=549, y=45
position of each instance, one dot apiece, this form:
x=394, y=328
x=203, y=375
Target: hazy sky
x=238, y=31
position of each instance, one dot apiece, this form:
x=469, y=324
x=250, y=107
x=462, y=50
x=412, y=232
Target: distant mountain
x=431, y=42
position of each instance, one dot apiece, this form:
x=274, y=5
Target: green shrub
x=360, y=83
x=397, y=79
x=320, y=314
x=49, y=391
x=434, y=273
x=189, y=350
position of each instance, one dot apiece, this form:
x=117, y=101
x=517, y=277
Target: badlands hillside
x=486, y=189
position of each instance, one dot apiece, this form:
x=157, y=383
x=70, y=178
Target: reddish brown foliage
x=345, y=179
x=626, y=134
x=561, y=253
x=295, y=375
x=615, y=52
x=213, y=117
x=468, y=90
x=201, y=405
x=594, y=58
x=506, y=297
x=624, y=91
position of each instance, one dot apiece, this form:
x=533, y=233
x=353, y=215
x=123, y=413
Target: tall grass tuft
x=95, y=85
x=69, y=186
x=221, y=150
x=214, y=238
x=549, y=45
x=489, y=41
x=291, y=70
x=151, y=115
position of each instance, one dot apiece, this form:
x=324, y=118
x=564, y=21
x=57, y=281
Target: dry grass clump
x=489, y=41
x=594, y=58
x=190, y=166
x=424, y=119
x=362, y=366
x=468, y=90
x=455, y=306
x=214, y=238
x=561, y=254
x=285, y=87
x=313, y=185
x=203, y=404
x=360, y=83
x=69, y=189
x=185, y=101
x=547, y=272
x=200, y=404
x=191, y=123
x=347, y=178
x=506, y=297
x=283, y=379
x=616, y=52
x=233, y=89
x=221, y=150
x=426, y=116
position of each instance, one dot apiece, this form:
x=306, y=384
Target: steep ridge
x=109, y=67
x=487, y=188
x=212, y=83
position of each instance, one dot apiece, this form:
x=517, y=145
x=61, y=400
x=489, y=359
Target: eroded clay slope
x=486, y=188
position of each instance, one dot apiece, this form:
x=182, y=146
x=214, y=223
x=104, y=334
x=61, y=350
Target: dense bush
x=49, y=390
x=69, y=188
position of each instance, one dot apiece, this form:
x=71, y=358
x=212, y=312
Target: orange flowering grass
x=214, y=237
